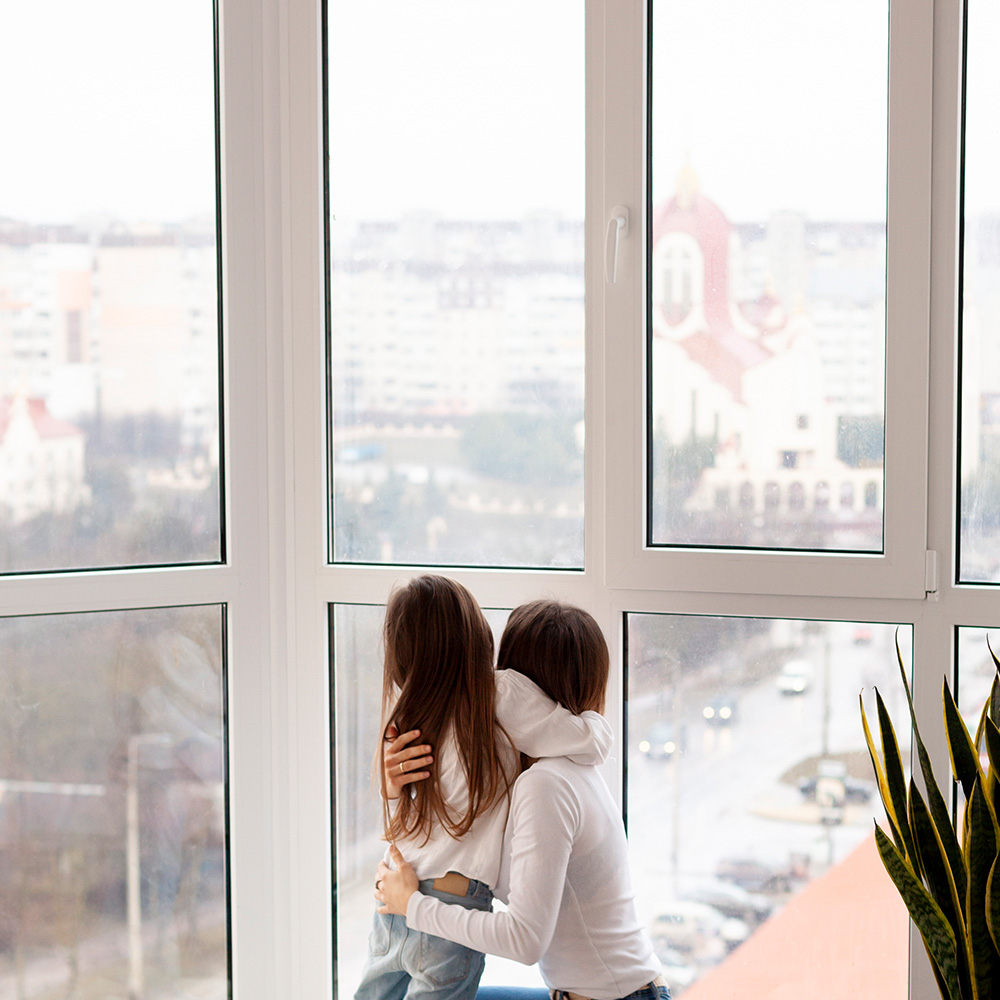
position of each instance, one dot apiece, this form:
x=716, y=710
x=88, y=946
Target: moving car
x=662, y=740
x=796, y=677
x=721, y=710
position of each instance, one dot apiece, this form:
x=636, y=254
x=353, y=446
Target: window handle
x=617, y=228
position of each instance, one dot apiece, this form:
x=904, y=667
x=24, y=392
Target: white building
x=41, y=461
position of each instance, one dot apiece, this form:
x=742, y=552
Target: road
x=723, y=796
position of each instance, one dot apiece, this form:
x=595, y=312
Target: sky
x=107, y=107
x=468, y=108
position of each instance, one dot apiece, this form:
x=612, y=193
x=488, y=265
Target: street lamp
x=133, y=883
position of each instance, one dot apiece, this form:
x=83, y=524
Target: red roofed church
x=746, y=374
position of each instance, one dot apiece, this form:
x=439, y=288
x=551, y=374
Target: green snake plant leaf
x=964, y=757
x=895, y=781
x=938, y=878
x=991, y=735
x=940, y=811
x=993, y=903
x=883, y=785
x=983, y=840
x=939, y=938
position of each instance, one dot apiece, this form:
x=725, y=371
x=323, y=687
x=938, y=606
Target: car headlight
x=725, y=712
x=669, y=746
x=708, y=711
x=643, y=746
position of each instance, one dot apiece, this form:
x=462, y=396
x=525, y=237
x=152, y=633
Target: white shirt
x=566, y=878
x=538, y=727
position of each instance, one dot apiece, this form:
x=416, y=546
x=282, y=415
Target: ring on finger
x=402, y=770
x=378, y=884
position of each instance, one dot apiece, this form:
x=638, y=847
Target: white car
x=796, y=677
x=697, y=929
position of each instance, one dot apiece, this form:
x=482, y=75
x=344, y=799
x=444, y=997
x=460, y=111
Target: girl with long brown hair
x=439, y=683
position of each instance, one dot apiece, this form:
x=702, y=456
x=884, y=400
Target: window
x=114, y=834
x=269, y=547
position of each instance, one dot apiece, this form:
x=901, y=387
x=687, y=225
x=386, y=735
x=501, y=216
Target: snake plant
x=950, y=883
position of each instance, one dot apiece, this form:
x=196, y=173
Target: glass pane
x=113, y=868
x=975, y=672
x=751, y=799
x=979, y=450
x=456, y=282
x=109, y=337
x=767, y=273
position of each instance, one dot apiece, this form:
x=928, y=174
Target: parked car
x=855, y=790
x=795, y=677
x=677, y=968
x=696, y=929
x=721, y=710
x=759, y=876
x=662, y=740
x=731, y=901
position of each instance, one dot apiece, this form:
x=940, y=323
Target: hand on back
x=404, y=764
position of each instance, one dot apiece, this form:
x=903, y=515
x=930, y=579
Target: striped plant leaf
x=934, y=928
x=964, y=757
x=883, y=785
x=993, y=903
x=983, y=839
x=991, y=737
x=895, y=780
x=936, y=871
x=940, y=811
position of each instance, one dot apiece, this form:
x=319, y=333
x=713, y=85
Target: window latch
x=617, y=228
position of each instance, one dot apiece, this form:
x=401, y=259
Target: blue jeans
x=404, y=963
x=539, y=993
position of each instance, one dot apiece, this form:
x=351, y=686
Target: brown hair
x=438, y=678
x=562, y=649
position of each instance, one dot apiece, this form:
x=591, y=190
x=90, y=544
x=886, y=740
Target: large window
x=767, y=274
x=456, y=283
x=112, y=804
x=301, y=297
x=109, y=303
x=114, y=838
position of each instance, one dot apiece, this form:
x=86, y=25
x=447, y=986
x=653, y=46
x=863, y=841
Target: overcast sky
x=107, y=106
x=467, y=108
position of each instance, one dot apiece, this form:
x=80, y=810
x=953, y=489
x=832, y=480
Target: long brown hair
x=562, y=649
x=438, y=678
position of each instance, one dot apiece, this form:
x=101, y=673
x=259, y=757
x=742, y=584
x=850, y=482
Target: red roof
x=702, y=219
x=720, y=349
x=46, y=425
x=846, y=933
x=727, y=355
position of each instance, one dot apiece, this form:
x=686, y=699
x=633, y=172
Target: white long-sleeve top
x=566, y=880
x=539, y=727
